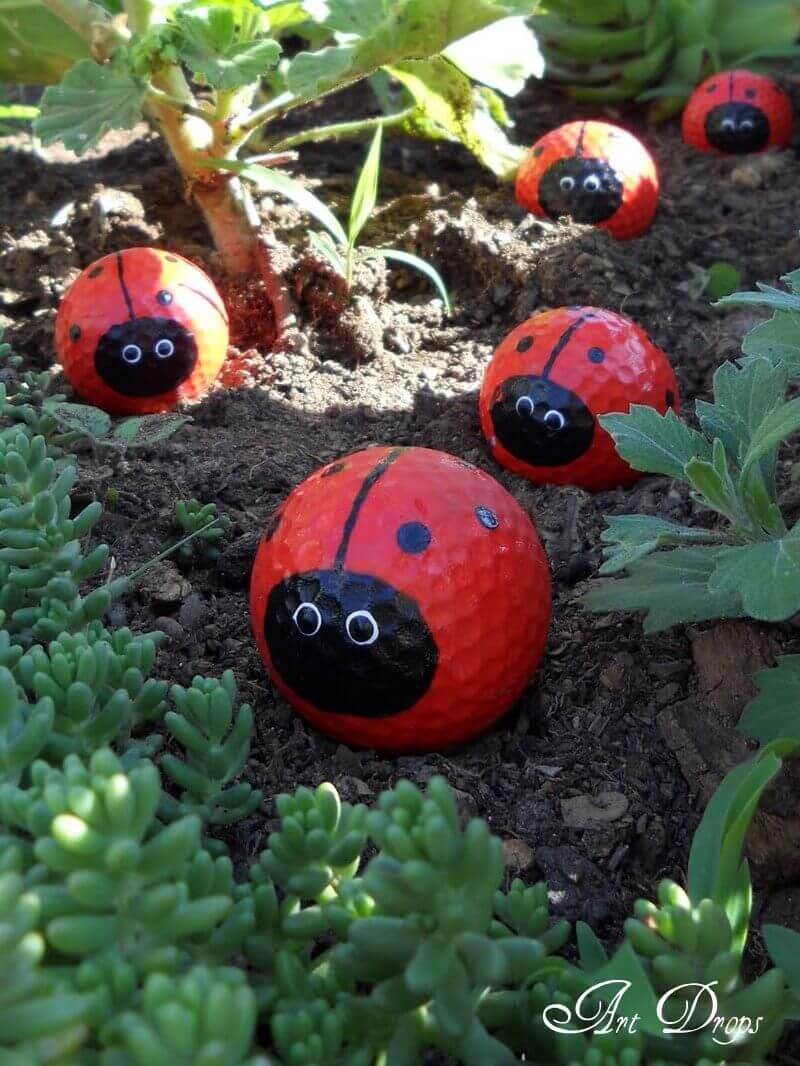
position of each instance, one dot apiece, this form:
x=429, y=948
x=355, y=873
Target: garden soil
x=597, y=780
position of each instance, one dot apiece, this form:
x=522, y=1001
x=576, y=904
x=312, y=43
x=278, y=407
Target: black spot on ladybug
x=596, y=355
x=413, y=537
x=737, y=128
x=537, y=152
x=349, y=643
x=334, y=468
x=75, y=332
x=164, y=297
x=541, y=422
x=712, y=88
x=670, y=398
x=145, y=356
x=271, y=528
x=587, y=189
x=750, y=94
x=95, y=272
x=487, y=518
x=525, y=344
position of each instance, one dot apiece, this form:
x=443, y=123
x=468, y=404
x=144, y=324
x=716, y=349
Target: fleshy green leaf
x=766, y=577
x=783, y=946
x=775, y=711
x=671, y=587
x=91, y=100
x=657, y=444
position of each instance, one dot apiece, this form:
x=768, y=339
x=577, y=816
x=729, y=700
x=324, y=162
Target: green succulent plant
x=609, y=51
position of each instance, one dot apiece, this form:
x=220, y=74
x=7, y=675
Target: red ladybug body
x=737, y=112
x=140, y=330
x=549, y=381
x=594, y=171
x=400, y=599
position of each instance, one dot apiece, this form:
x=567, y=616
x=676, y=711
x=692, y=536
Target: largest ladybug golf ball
x=400, y=599
x=595, y=172
x=140, y=330
x=551, y=379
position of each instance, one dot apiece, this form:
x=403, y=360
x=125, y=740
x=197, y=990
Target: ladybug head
x=145, y=356
x=585, y=188
x=540, y=421
x=737, y=128
x=349, y=642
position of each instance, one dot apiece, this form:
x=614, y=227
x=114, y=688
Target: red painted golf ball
x=737, y=112
x=549, y=381
x=400, y=599
x=140, y=330
x=595, y=172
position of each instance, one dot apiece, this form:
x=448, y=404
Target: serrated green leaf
x=775, y=428
x=91, y=100
x=208, y=45
x=634, y=536
x=90, y=421
x=765, y=577
x=744, y=394
x=713, y=484
x=777, y=340
x=145, y=430
x=671, y=587
x=775, y=712
x=655, y=443
x=503, y=55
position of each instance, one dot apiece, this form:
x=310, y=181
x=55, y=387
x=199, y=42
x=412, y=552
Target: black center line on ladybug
x=539, y=421
x=144, y=356
x=736, y=127
x=584, y=187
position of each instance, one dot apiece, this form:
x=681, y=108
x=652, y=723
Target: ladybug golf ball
x=400, y=599
x=595, y=172
x=549, y=381
x=140, y=330
x=736, y=112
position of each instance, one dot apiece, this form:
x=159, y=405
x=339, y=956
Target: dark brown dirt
x=589, y=724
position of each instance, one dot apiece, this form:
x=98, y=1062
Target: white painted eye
x=524, y=406
x=591, y=183
x=164, y=348
x=746, y=124
x=362, y=628
x=308, y=619
x=728, y=125
x=554, y=420
x=567, y=183
x=131, y=354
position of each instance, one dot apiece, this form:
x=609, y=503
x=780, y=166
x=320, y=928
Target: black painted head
x=349, y=643
x=145, y=356
x=587, y=189
x=737, y=128
x=541, y=422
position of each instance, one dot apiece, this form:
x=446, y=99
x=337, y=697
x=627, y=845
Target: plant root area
x=597, y=779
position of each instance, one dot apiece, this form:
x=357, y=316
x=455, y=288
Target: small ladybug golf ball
x=400, y=599
x=736, y=112
x=549, y=381
x=595, y=172
x=140, y=330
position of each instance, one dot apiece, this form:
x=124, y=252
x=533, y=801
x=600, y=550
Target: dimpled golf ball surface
x=400, y=599
x=551, y=379
x=140, y=330
x=737, y=112
x=595, y=172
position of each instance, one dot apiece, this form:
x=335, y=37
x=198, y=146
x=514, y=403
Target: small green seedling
x=339, y=248
x=208, y=527
x=714, y=282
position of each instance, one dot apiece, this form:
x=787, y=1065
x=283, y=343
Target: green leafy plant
x=777, y=339
x=613, y=50
x=714, y=282
x=746, y=564
x=210, y=77
x=207, y=527
x=339, y=248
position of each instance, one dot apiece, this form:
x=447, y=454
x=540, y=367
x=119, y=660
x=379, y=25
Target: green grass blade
x=365, y=195
x=413, y=261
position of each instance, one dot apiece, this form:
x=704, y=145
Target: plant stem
x=340, y=131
